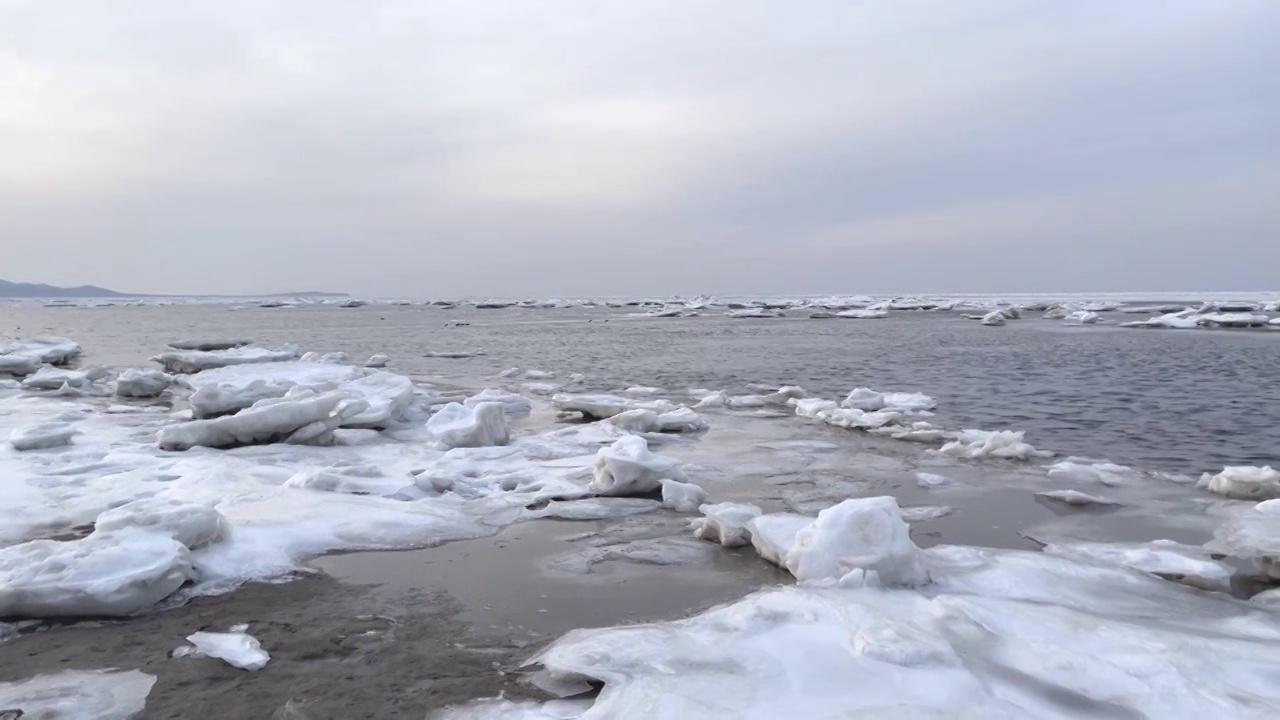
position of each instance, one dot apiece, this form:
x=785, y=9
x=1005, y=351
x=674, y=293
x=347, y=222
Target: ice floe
x=1243, y=482
x=627, y=467
x=862, y=314
x=301, y=417
x=42, y=437
x=194, y=361
x=34, y=352
x=480, y=425
x=994, y=318
x=77, y=695
x=726, y=523
x=682, y=496
x=53, y=378
x=236, y=648
x=869, y=400
x=119, y=572
x=512, y=403
x=138, y=383
x=1166, y=559
x=991, y=443
x=1075, y=497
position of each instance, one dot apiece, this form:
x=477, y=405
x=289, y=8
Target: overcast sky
x=577, y=147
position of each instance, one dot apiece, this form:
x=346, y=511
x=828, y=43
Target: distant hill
x=40, y=290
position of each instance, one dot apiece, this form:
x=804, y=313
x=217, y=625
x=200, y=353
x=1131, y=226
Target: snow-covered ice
x=118, y=572
x=460, y=426
x=862, y=536
x=682, y=496
x=42, y=437
x=726, y=523
x=237, y=649
x=139, y=383
x=1243, y=482
x=194, y=525
x=627, y=467
x=77, y=695
x=194, y=361
x=994, y=318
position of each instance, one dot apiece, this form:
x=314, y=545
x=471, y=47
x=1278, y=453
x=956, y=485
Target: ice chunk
x=1166, y=559
x=597, y=407
x=538, y=375
x=753, y=313
x=869, y=400
x=105, y=574
x=1075, y=497
x=1104, y=473
x=682, y=496
x=994, y=318
x=1232, y=319
x=377, y=361
x=208, y=344
x=1243, y=482
x=862, y=314
x=1254, y=534
x=862, y=534
x=42, y=437
x=773, y=535
x=18, y=365
x=512, y=403
x=680, y=420
x=636, y=421
x=627, y=467
x=726, y=523
x=302, y=417
x=77, y=695
x=50, y=378
x=192, y=524
x=1083, y=317
x=481, y=425
x=991, y=443
x=931, y=480
x=1183, y=320
x=237, y=649
x=136, y=383
x=642, y=390
x=924, y=513
x=42, y=349
x=194, y=361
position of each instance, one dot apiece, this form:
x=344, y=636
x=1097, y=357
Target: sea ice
x=377, y=361
x=1181, y=320
x=869, y=400
x=194, y=361
x=481, y=425
x=192, y=524
x=512, y=403
x=1083, y=317
x=1187, y=564
x=1075, y=497
x=931, y=480
x=121, y=572
x=994, y=318
x=595, y=407
x=1254, y=533
x=208, y=344
x=42, y=437
x=1243, y=482
x=725, y=523
x=43, y=349
x=136, y=383
x=301, y=417
x=752, y=313
x=774, y=534
x=1105, y=473
x=862, y=314
x=627, y=467
x=991, y=443
x=1233, y=319
x=77, y=695
x=682, y=496
x=51, y=378
x=860, y=535
x=237, y=649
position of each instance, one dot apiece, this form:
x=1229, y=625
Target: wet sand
x=391, y=634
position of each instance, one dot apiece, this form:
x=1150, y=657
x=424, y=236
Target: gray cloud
x=430, y=148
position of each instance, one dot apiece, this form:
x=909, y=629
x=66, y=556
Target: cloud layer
x=409, y=148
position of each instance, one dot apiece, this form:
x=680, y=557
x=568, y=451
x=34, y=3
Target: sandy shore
x=401, y=633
